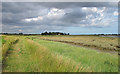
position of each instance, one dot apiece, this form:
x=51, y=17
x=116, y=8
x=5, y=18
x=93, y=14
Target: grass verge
x=30, y=56
x=96, y=61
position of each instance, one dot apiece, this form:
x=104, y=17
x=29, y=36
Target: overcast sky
x=73, y=18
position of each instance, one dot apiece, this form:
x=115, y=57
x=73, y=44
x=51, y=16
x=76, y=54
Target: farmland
x=102, y=43
x=59, y=54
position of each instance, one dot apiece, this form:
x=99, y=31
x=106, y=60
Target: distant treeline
x=53, y=33
x=17, y=34
x=108, y=34
x=45, y=33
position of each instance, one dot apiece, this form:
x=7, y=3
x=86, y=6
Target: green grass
x=37, y=55
x=0, y=41
x=3, y=41
x=7, y=43
x=97, y=61
x=108, y=43
x=29, y=56
x=0, y=53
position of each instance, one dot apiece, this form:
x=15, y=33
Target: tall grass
x=0, y=54
x=96, y=61
x=30, y=56
x=47, y=56
x=92, y=41
x=6, y=44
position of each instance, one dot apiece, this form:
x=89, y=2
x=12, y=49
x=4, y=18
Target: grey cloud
x=15, y=12
x=18, y=7
x=77, y=4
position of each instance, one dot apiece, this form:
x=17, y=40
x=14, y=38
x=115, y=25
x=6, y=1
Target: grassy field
x=103, y=43
x=28, y=54
x=7, y=43
x=0, y=54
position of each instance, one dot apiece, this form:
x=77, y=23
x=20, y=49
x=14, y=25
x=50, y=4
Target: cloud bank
x=38, y=17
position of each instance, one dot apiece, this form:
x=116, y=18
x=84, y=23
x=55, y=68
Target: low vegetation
x=102, y=43
x=88, y=58
x=0, y=54
x=31, y=54
x=7, y=44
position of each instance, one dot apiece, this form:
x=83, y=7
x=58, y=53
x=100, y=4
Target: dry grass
x=96, y=61
x=30, y=56
x=7, y=45
x=48, y=56
x=89, y=41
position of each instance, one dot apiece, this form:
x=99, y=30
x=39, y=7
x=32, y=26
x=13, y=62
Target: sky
x=69, y=17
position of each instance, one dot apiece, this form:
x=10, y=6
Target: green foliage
x=3, y=41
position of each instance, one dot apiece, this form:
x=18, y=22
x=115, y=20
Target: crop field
x=59, y=54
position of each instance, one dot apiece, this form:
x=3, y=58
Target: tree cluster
x=54, y=33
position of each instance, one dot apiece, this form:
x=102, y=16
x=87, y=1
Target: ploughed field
x=55, y=54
